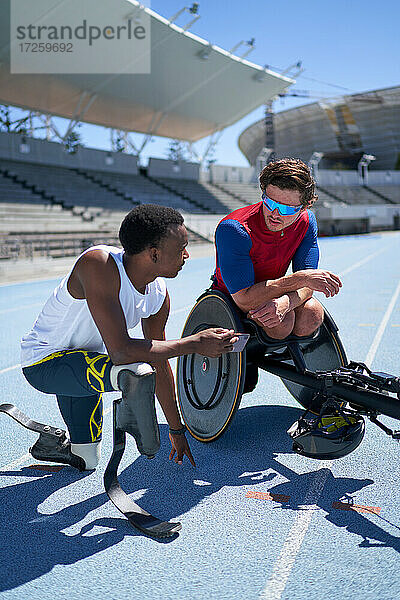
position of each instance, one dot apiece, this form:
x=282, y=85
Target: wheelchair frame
x=310, y=376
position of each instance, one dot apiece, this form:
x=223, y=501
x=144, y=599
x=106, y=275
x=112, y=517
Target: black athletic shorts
x=78, y=378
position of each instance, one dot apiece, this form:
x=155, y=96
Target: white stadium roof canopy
x=184, y=97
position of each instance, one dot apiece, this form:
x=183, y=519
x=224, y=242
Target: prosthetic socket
x=136, y=412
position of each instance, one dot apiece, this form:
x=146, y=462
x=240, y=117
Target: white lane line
x=283, y=566
x=280, y=573
x=362, y=262
x=382, y=327
x=16, y=462
x=9, y=369
x=27, y=456
x=174, y=312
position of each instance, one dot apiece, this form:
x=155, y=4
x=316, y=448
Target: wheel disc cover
x=209, y=389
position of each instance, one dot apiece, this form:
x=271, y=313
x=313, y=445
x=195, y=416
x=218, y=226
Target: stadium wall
x=230, y=174
x=14, y=146
x=338, y=219
x=327, y=177
x=159, y=167
x=205, y=225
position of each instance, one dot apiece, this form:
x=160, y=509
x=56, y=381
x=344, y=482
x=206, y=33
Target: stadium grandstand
x=56, y=202
x=342, y=129
x=351, y=142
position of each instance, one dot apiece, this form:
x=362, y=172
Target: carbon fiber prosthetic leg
x=135, y=414
x=135, y=411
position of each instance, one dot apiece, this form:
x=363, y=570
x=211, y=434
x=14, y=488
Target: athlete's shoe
x=53, y=448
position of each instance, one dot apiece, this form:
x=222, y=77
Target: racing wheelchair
x=336, y=394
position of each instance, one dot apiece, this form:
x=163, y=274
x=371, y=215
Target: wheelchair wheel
x=210, y=389
x=325, y=353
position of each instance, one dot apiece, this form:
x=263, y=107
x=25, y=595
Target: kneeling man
x=80, y=347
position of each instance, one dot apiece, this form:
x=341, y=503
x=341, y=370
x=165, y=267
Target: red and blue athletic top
x=248, y=252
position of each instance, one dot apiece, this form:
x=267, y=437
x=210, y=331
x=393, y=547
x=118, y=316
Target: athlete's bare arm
x=154, y=329
x=298, y=287
x=285, y=305
x=95, y=278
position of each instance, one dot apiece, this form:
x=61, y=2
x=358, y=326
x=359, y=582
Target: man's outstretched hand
x=215, y=341
x=322, y=281
x=180, y=446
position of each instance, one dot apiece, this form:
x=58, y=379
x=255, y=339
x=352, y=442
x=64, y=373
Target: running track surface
x=62, y=538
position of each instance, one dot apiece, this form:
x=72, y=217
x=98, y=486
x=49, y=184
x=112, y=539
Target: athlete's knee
x=309, y=316
x=280, y=332
x=136, y=413
x=138, y=370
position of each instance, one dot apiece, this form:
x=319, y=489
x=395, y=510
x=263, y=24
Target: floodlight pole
x=363, y=165
x=294, y=70
x=251, y=46
x=313, y=163
x=269, y=131
x=193, y=10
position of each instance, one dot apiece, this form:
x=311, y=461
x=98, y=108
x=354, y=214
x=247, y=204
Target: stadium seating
x=62, y=185
x=205, y=196
x=46, y=230
x=138, y=189
x=230, y=201
x=353, y=194
x=57, y=211
x=247, y=193
x=11, y=191
x=390, y=193
x=327, y=194
x=326, y=199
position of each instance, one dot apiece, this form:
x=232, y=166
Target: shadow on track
x=245, y=455
x=36, y=542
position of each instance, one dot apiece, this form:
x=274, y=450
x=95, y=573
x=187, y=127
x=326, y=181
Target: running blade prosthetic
x=137, y=517
x=52, y=445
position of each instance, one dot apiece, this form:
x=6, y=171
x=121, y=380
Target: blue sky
x=353, y=45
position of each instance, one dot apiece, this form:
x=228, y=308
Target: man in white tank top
x=79, y=344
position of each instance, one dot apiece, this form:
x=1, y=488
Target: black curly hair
x=145, y=226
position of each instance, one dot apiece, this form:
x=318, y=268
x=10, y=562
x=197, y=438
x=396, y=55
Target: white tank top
x=66, y=323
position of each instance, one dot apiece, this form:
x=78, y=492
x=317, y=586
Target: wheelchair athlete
x=256, y=244
x=79, y=346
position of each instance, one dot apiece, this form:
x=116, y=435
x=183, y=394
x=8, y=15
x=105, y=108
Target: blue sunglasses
x=284, y=209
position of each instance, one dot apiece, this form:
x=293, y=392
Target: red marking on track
x=356, y=507
x=51, y=468
x=267, y=496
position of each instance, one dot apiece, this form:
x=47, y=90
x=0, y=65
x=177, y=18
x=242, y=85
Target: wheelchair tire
x=325, y=353
x=210, y=389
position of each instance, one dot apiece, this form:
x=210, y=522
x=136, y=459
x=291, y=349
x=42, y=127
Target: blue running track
x=61, y=537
